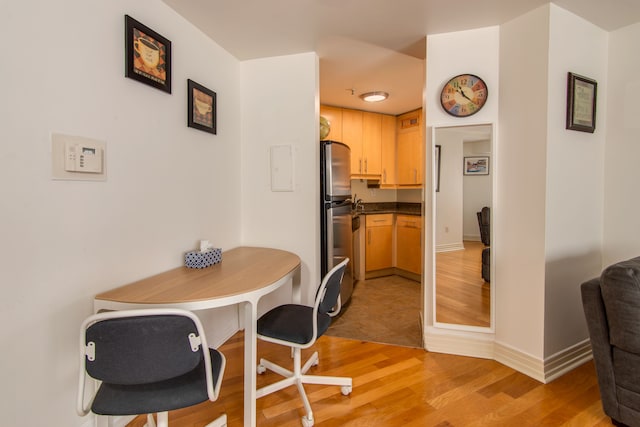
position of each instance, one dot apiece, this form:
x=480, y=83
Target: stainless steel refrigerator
x=335, y=205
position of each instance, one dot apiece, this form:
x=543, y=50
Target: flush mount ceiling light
x=374, y=96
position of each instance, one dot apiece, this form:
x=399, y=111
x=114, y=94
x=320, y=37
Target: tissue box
x=203, y=259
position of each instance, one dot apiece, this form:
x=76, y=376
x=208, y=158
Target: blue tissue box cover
x=204, y=259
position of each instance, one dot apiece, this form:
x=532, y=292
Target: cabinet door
x=388, y=171
x=408, y=247
x=352, y=136
x=379, y=242
x=371, y=143
x=334, y=115
x=409, y=149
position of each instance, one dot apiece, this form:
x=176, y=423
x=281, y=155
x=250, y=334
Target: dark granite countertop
x=391, y=207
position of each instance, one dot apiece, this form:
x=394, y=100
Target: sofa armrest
x=596, y=316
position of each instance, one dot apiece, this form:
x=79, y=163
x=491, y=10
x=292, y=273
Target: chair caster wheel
x=306, y=422
x=261, y=369
x=346, y=390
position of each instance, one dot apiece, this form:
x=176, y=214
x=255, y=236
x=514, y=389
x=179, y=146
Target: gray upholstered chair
x=147, y=361
x=612, y=309
x=299, y=326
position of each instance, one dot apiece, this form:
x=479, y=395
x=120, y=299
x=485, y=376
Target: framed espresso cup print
x=148, y=55
x=201, y=106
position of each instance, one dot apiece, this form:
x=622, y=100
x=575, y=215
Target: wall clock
x=464, y=95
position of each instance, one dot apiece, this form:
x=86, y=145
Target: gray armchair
x=612, y=308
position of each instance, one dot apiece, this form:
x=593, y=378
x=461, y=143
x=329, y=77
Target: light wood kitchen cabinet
x=408, y=247
x=388, y=169
x=352, y=136
x=362, y=132
x=379, y=242
x=334, y=115
x=409, y=149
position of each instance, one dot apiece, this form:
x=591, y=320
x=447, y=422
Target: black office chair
x=484, y=223
x=298, y=327
x=147, y=361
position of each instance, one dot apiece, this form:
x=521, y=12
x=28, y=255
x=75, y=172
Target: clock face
x=464, y=95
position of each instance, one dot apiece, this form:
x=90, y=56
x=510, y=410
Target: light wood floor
x=404, y=387
x=462, y=296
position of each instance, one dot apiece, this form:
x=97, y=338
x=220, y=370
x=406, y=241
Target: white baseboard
x=546, y=370
x=483, y=346
x=472, y=237
x=567, y=360
x=450, y=247
x=460, y=343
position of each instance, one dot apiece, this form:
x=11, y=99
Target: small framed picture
x=201, y=106
x=148, y=55
x=581, y=103
x=476, y=165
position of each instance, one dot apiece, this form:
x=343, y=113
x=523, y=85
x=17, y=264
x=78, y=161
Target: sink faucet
x=357, y=204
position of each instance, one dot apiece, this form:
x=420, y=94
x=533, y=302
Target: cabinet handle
x=360, y=167
x=384, y=176
x=366, y=166
x=369, y=237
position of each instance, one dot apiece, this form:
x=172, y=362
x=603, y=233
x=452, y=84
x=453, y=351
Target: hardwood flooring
x=462, y=296
x=404, y=387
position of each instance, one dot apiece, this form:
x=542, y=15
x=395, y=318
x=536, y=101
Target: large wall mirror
x=463, y=211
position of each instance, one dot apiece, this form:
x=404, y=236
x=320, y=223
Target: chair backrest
x=329, y=290
x=141, y=349
x=484, y=217
x=143, y=346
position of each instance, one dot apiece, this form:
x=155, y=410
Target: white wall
x=476, y=190
x=64, y=241
x=621, y=206
x=280, y=106
x=449, y=200
x=575, y=189
x=519, y=218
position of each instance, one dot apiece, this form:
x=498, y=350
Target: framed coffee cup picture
x=148, y=55
x=201, y=107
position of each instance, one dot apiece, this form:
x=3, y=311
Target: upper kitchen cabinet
x=371, y=143
x=409, y=149
x=334, y=115
x=388, y=171
x=361, y=131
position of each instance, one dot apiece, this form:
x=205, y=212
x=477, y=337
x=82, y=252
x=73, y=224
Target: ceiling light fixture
x=374, y=96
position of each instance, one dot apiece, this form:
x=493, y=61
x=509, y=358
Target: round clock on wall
x=464, y=95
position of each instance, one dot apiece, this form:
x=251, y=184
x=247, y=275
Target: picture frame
x=581, y=103
x=476, y=165
x=201, y=107
x=147, y=55
x=436, y=162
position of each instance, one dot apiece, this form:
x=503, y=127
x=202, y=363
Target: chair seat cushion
x=180, y=392
x=292, y=323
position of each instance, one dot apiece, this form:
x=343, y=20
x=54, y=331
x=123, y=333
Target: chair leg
x=299, y=378
x=151, y=422
x=221, y=421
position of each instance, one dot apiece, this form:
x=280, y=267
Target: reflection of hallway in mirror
x=462, y=296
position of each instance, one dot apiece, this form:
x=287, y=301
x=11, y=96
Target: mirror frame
x=494, y=173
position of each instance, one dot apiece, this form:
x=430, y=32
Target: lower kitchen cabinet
x=379, y=242
x=408, y=248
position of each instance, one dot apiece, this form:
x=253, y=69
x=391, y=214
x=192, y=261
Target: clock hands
x=463, y=94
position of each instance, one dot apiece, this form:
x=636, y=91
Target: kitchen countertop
x=391, y=207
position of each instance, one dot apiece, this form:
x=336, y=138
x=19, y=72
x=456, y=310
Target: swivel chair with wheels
x=147, y=361
x=298, y=327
